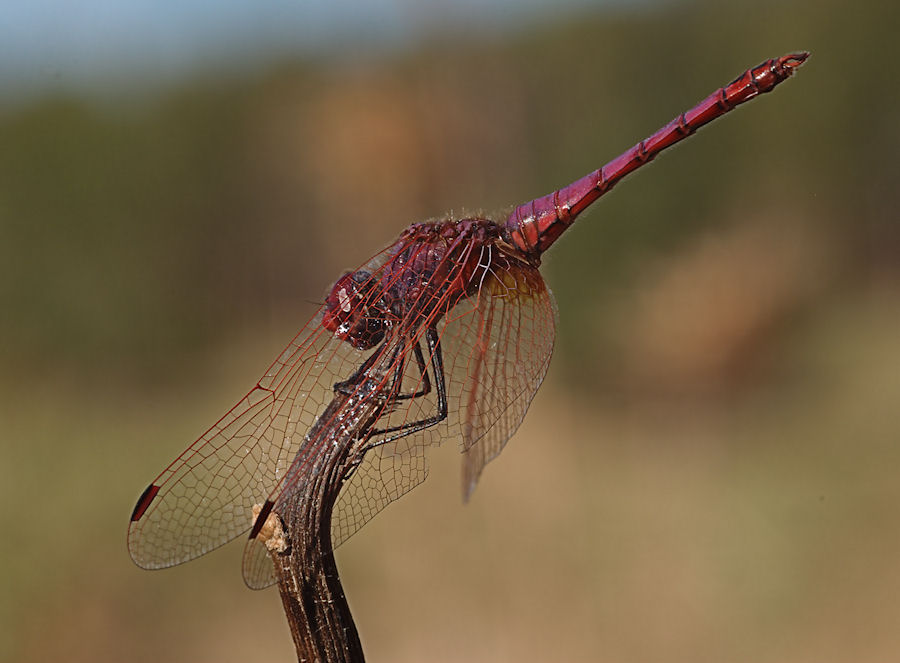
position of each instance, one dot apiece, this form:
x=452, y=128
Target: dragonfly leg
x=437, y=365
x=423, y=371
x=348, y=386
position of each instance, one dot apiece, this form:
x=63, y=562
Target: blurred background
x=709, y=471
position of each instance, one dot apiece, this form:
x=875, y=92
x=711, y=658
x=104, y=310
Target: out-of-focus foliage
x=709, y=473
x=137, y=234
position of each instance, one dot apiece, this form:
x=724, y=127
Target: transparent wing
x=495, y=341
x=257, y=565
x=496, y=347
x=205, y=497
x=386, y=473
x=501, y=342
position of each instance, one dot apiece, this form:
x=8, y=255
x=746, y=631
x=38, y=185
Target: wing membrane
x=497, y=345
x=205, y=497
x=501, y=341
x=496, y=337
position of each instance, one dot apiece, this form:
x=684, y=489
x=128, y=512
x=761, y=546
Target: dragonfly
x=446, y=334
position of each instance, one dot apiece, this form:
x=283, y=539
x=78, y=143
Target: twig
x=317, y=610
x=314, y=602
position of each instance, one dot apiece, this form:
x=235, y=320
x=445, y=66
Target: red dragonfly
x=445, y=334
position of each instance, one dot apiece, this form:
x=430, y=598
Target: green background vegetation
x=710, y=470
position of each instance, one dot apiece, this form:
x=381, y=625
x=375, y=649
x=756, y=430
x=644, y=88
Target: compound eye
x=340, y=302
x=350, y=289
x=352, y=310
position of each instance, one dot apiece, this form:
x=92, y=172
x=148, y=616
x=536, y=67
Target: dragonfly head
x=355, y=310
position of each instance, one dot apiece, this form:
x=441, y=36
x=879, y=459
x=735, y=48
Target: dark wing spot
x=143, y=502
x=261, y=518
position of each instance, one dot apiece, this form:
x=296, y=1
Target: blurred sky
x=48, y=44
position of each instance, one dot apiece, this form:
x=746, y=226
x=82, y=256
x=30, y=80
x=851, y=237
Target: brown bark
x=300, y=545
x=317, y=610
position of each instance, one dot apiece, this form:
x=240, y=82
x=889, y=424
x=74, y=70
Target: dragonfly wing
x=500, y=341
x=205, y=497
x=340, y=428
x=257, y=565
x=496, y=347
x=385, y=473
